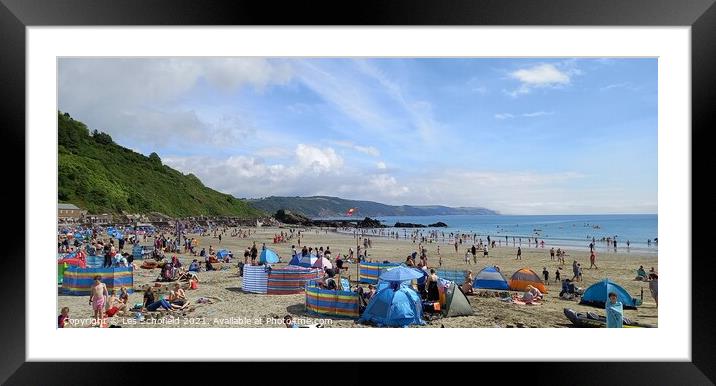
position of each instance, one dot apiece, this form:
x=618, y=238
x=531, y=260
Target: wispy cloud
x=419, y=112
x=502, y=116
x=624, y=85
x=369, y=150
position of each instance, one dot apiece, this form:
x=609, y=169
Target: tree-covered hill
x=100, y=176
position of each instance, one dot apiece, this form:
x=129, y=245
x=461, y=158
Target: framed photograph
x=420, y=184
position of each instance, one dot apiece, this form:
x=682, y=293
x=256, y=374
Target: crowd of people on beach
x=168, y=242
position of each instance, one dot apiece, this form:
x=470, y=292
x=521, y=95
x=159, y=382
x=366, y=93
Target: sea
x=565, y=231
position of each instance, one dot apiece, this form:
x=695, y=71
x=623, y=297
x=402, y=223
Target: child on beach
x=98, y=291
x=63, y=317
x=557, y=276
x=545, y=273
x=467, y=256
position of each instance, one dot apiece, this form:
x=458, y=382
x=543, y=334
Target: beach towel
x=615, y=315
x=522, y=303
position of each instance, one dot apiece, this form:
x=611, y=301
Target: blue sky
x=520, y=136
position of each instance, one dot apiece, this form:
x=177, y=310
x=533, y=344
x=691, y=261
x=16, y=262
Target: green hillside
x=324, y=206
x=100, y=176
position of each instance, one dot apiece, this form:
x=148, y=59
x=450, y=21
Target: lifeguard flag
x=350, y=211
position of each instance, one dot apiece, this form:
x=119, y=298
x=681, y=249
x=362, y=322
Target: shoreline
x=599, y=246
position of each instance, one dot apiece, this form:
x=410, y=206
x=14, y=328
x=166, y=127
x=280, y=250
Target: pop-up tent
x=295, y=259
x=524, y=277
x=456, y=304
x=268, y=256
x=310, y=261
x=395, y=306
x=490, y=278
x=222, y=253
x=598, y=293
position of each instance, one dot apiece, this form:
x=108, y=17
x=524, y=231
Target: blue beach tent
x=222, y=253
x=490, y=278
x=268, y=257
x=598, y=294
x=392, y=307
x=295, y=260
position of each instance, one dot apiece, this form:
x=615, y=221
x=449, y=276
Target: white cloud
x=321, y=173
x=543, y=75
x=381, y=165
x=504, y=116
x=139, y=98
x=318, y=160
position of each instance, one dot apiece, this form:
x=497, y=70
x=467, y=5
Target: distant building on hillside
x=68, y=212
x=98, y=218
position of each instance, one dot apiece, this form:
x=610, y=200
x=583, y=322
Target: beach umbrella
x=401, y=273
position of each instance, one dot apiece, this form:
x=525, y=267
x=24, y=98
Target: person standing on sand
x=575, y=270
x=551, y=253
x=97, y=293
x=467, y=256
x=484, y=251
x=592, y=259
x=519, y=253
x=254, y=254
x=474, y=253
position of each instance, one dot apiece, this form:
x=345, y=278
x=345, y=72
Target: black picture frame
x=700, y=15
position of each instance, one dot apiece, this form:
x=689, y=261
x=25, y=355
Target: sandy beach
x=234, y=308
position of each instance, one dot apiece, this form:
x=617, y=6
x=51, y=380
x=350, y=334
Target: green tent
x=456, y=304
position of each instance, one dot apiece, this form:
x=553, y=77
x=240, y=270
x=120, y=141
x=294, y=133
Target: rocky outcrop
x=438, y=224
x=407, y=225
x=370, y=223
x=288, y=217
